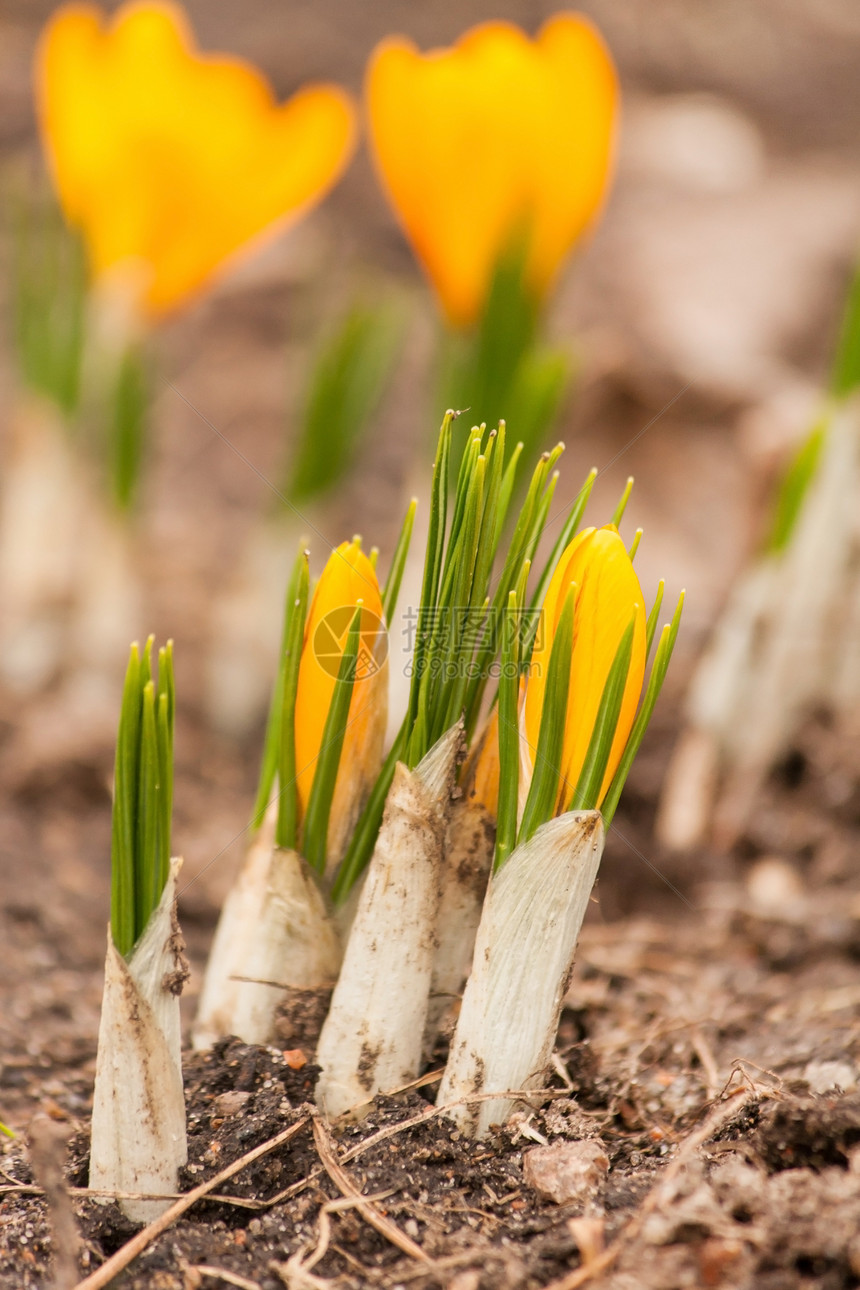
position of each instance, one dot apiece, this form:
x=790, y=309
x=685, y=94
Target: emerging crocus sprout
x=324, y=749
x=384, y=841
x=138, y=1125
x=496, y=155
x=570, y=746
x=777, y=652
x=350, y=831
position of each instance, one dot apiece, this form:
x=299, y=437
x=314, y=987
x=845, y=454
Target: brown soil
x=715, y=1055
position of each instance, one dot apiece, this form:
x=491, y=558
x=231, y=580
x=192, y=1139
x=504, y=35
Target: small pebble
x=566, y=1171
x=229, y=1103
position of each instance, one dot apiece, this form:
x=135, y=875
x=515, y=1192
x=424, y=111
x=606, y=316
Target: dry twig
x=298, y=1267
x=347, y=1187
x=221, y=1274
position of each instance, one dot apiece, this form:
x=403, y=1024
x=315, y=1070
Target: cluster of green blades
x=469, y=615
x=143, y=794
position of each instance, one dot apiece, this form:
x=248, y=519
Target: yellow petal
x=494, y=137
x=172, y=160
x=482, y=769
x=608, y=594
x=347, y=578
x=575, y=147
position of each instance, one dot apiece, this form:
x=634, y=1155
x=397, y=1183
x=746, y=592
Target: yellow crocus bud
x=495, y=138
x=347, y=580
x=170, y=163
x=607, y=595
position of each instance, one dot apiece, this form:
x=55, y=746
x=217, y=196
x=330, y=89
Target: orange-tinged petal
x=550, y=613
x=608, y=594
x=483, y=772
x=494, y=137
x=173, y=160
x=575, y=151
x=347, y=578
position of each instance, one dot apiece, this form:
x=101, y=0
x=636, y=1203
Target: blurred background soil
x=704, y=313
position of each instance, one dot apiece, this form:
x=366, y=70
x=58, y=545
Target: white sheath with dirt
x=275, y=933
x=467, y=860
x=523, y=958
x=372, y=1036
x=138, y=1125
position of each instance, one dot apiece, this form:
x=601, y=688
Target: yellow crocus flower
x=170, y=162
x=347, y=579
x=495, y=138
x=607, y=595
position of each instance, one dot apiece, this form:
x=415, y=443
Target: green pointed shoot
x=442, y=621
x=391, y=590
x=124, y=818
x=634, y=545
x=845, y=377
x=586, y=795
x=315, y=830
x=618, y=514
x=794, y=487
x=432, y=563
x=495, y=455
x=287, y=824
x=165, y=718
x=9, y=1133
x=668, y=636
x=462, y=613
x=147, y=875
x=458, y=631
x=272, y=738
x=651, y=625
x=844, y=381
x=351, y=373
x=509, y=736
x=565, y=537
x=143, y=794
x=542, y=514
x=523, y=543
x=521, y=589
x=506, y=491
x=546, y=758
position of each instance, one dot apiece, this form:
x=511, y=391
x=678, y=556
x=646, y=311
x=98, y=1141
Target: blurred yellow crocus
x=170, y=162
x=607, y=596
x=347, y=580
x=497, y=138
